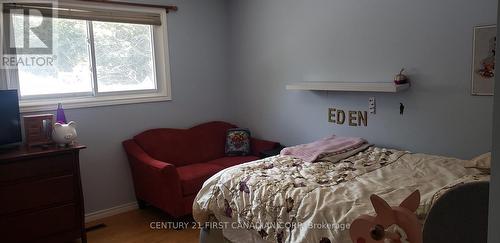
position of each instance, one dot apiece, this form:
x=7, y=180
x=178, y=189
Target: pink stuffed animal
x=391, y=225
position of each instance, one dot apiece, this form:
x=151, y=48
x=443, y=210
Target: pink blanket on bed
x=331, y=145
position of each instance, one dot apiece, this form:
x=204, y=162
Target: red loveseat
x=169, y=166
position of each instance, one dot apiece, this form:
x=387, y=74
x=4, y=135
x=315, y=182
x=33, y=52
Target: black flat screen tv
x=10, y=123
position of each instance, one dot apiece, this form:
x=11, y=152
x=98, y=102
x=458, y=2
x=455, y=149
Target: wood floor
x=134, y=227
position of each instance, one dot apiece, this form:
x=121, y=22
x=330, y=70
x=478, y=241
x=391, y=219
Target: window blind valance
x=86, y=13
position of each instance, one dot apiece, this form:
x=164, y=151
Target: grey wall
x=494, y=220
x=274, y=42
x=198, y=56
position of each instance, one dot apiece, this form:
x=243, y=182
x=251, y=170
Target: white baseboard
x=110, y=211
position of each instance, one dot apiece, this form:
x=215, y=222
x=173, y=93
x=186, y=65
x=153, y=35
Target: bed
x=284, y=199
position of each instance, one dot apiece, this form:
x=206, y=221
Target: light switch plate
x=372, y=105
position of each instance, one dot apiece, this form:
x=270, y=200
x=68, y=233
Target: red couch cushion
x=185, y=146
x=232, y=161
x=193, y=176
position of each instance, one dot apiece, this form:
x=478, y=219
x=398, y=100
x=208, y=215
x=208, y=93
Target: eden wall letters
x=353, y=118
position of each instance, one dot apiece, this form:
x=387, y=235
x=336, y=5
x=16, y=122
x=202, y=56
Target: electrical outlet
x=372, y=105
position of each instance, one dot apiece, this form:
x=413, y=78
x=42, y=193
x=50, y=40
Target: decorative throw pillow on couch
x=237, y=142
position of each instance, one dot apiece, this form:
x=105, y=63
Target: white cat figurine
x=64, y=134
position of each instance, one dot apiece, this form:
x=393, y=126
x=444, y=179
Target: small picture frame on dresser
x=38, y=129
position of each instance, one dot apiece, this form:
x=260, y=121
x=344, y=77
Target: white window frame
x=162, y=68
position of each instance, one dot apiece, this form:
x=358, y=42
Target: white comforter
x=281, y=199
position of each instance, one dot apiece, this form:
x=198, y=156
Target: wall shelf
x=387, y=87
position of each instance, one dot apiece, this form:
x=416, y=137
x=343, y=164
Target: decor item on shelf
x=60, y=116
x=64, y=134
x=38, y=129
x=237, y=142
x=401, y=78
x=483, y=66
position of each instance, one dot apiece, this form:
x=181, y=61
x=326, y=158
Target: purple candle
x=60, y=117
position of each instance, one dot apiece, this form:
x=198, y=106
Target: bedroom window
x=97, y=56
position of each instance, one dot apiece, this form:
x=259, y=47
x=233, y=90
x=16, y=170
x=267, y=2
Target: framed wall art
x=483, y=65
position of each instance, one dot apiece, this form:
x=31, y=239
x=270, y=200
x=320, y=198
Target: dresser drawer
x=37, y=194
x=34, y=226
x=39, y=167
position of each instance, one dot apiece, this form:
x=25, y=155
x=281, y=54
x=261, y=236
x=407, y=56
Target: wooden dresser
x=41, y=196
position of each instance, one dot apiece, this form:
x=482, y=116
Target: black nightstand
x=271, y=152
